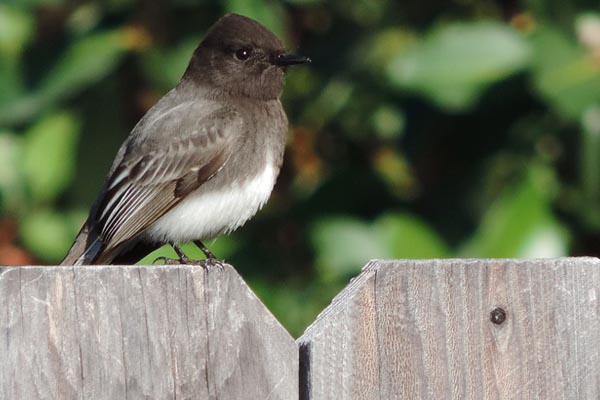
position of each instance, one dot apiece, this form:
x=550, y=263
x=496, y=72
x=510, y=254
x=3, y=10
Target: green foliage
x=344, y=244
x=564, y=73
x=324, y=108
x=164, y=66
x=267, y=12
x=48, y=233
x=590, y=166
x=388, y=121
x=420, y=130
x=12, y=193
x=455, y=63
x=16, y=30
x=49, y=156
x=86, y=61
x=519, y=223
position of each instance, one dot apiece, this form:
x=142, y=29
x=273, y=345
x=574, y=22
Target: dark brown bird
x=204, y=159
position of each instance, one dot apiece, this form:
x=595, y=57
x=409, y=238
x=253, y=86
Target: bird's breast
x=205, y=214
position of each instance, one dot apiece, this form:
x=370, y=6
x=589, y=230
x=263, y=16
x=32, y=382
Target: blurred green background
x=422, y=129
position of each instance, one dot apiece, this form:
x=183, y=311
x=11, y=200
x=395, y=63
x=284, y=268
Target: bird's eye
x=243, y=54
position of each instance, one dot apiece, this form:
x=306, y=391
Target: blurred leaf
x=304, y=3
x=295, y=306
x=16, y=30
x=344, y=244
x=49, y=155
x=12, y=191
x=388, y=121
x=10, y=80
x=406, y=236
x=546, y=241
x=269, y=13
x=395, y=170
x=454, y=64
x=588, y=30
x=165, y=67
x=86, y=61
x=567, y=77
x=590, y=167
x=32, y=4
x=362, y=12
x=85, y=18
x=519, y=224
x=300, y=82
x=48, y=234
x=384, y=46
x=332, y=99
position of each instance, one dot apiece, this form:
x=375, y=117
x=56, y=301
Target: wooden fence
x=406, y=329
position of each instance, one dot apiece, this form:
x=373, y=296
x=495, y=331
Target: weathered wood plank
x=174, y=332
x=423, y=330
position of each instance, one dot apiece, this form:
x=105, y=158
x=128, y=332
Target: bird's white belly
x=205, y=215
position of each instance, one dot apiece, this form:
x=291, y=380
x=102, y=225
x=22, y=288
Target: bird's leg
x=209, y=255
x=183, y=259
x=211, y=260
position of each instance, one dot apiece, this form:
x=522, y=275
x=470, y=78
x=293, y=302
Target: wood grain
x=156, y=332
x=422, y=330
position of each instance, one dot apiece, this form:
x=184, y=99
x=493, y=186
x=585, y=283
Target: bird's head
x=241, y=57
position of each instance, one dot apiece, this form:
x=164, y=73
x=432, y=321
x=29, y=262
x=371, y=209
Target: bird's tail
x=86, y=249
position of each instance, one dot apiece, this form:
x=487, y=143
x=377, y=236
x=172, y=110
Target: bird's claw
x=169, y=261
x=213, y=262
x=206, y=264
x=210, y=262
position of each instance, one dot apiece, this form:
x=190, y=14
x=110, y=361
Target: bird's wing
x=150, y=179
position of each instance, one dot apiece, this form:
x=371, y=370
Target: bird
x=203, y=160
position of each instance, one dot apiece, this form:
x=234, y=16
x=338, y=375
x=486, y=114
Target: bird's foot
x=206, y=264
x=170, y=261
x=210, y=262
x=182, y=260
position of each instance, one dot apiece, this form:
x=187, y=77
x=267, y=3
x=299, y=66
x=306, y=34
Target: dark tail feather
x=86, y=249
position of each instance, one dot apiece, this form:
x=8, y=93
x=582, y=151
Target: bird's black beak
x=284, y=60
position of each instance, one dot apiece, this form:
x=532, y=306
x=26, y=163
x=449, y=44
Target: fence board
x=423, y=330
x=175, y=332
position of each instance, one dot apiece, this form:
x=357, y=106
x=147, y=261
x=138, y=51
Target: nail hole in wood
x=498, y=315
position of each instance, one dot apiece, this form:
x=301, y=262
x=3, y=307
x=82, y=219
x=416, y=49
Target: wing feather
x=142, y=189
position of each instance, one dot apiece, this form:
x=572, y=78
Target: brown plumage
x=202, y=160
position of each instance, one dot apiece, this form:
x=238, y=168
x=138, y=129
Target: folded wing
x=152, y=176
